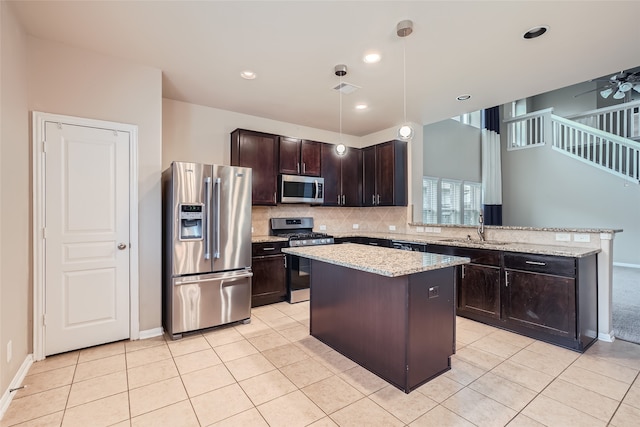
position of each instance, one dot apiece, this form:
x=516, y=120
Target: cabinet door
x=258, y=151
x=369, y=176
x=352, y=177
x=331, y=174
x=310, y=158
x=385, y=160
x=541, y=302
x=269, y=280
x=289, y=155
x=479, y=290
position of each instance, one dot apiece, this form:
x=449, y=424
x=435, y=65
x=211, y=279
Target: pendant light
x=340, y=71
x=403, y=29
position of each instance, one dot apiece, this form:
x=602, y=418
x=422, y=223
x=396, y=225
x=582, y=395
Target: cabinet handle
x=343, y=199
x=285, y=263
x=304, y=167
x=338, y=199
x=274, y=197
x=269, y=249
x=463, y=271
x=298, y=167
x=506, y=279
x=535, y=263
x=378, y=199
x=373, y=199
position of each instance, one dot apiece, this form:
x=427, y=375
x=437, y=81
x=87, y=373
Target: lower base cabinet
x=549, y=298
x=269, y=284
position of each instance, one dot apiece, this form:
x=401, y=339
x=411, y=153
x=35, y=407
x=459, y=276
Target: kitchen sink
x=476, y=242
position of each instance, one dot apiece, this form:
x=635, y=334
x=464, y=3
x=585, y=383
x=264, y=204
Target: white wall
x=544, y=188
x=452, y=150
x=75, y=82
x=15, y=225
x=195, y=133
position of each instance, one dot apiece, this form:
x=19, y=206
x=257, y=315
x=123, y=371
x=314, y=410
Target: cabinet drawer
x=477, y=256
x=267, y=248
x=559, y=266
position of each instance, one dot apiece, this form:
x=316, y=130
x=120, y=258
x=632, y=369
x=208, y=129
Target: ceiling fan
x=618, y=85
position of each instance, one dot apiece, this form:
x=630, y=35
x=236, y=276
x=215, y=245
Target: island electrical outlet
x=434, y=291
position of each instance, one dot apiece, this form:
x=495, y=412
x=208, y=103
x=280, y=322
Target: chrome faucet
x=481, y=227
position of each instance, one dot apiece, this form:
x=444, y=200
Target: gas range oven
x=300, y=232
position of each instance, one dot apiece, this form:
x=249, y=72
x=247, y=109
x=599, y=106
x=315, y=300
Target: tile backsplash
x=336, y=220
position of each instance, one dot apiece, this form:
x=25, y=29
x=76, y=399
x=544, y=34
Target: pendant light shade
x=403, y=29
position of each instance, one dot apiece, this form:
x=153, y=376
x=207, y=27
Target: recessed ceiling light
x=463, y=97
x=248, y=75
x=361, y=106
x=535, y=32
x=372, y=57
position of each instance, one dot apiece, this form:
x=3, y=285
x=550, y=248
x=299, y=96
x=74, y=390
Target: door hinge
x=407, y=368
x=44, y=146
x=44, y=232
x=44, y=320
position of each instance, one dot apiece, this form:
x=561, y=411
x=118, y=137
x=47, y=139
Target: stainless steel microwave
x=301, y=189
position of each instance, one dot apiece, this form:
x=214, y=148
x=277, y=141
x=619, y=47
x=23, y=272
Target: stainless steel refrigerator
x=206, y=246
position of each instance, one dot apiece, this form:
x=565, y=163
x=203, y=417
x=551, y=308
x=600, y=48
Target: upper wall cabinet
x=258, y=151
x=342, y=176
x=299, y=157
x=384, y=174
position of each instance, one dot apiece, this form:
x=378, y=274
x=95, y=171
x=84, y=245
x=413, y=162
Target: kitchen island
x=390, y=311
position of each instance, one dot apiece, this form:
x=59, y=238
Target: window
x=447, y=201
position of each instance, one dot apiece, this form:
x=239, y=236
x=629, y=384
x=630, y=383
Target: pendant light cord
x=404, y=76
x=340, y=139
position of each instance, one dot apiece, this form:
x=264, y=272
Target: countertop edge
x=342, y=255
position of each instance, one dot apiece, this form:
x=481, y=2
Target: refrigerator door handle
x=207, y=206
x=216, y=253
x=216, y=278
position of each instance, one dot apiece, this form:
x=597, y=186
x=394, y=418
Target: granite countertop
x=267, y=239
x=517, y=227
x=373, y=259
x=521, y=247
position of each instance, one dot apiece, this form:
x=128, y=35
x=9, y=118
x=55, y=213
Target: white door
x=86, y=249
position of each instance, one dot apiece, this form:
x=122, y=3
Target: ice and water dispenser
x=191, y=217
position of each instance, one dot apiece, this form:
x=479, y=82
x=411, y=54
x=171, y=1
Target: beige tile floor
x=272, y=373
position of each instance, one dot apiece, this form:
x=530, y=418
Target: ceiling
x=473, y=47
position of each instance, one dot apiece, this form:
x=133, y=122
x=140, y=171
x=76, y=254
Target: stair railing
x=615, y=154
x=528, y=130
x=621, y=119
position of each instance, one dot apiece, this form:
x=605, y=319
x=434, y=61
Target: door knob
x=122, y=246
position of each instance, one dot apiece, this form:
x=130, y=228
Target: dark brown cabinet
x=269, y=274
x=384, y=174
x=479, y=284
x=258, y=151
x=299, y=156
x=551, y=297
x=342, y=176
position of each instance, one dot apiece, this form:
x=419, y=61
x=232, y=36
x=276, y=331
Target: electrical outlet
x=355, y=226
x=563, y=237
x=428, y=229
x=434, y=291
x=585, y=238
x=392, y=228
x=420, y=229
x=436, y=229
x=9, y=351
x=323, y=228
x=251, y=230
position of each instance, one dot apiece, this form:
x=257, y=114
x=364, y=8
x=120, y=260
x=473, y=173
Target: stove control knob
x=304, y=242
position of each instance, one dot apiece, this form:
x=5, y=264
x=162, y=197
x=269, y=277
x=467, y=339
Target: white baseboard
x=7, y=396
x=150, y=333
x=624, y=264
x=606, y=337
